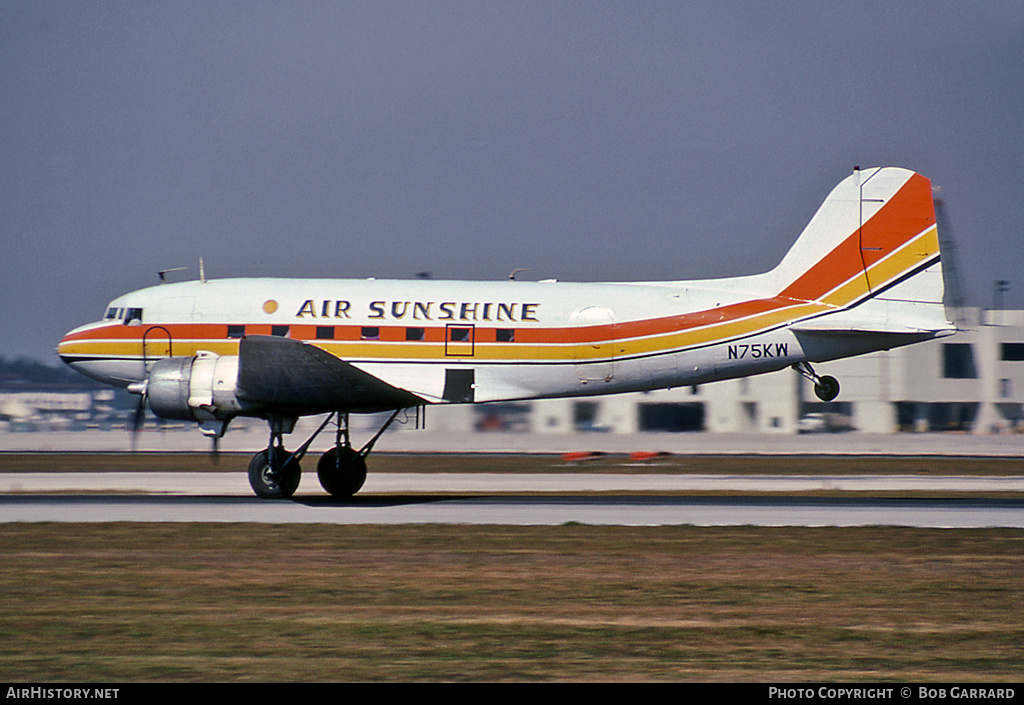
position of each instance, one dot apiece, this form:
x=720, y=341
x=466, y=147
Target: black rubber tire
x=270, y=484
x=343, y=475
x=827, y=388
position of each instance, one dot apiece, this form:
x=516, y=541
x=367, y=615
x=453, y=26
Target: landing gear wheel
x=342, y=471
x=826, y=388
x=270, y=483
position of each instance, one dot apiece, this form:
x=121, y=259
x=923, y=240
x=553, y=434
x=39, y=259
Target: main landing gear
x=274, y=473
x=825, y=388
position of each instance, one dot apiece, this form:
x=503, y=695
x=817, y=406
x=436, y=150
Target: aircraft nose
x=77, y=349
x=90, y=350
x=71, y=352
x=63, y=352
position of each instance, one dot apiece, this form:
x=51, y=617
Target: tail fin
x=872, y=252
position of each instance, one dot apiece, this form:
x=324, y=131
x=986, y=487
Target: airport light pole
x=999, y=287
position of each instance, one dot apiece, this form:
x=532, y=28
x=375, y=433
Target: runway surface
x=522, y=499
x=251, y=438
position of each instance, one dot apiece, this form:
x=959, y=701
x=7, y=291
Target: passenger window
x=459, y=340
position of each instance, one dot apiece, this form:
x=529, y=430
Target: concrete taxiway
x=253, y=437
x=514, y=499
x=225, y=484
x=522, y=511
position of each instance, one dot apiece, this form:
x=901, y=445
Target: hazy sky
x=584, y=140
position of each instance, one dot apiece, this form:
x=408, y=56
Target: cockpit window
x=133, y=315
x=112, y=313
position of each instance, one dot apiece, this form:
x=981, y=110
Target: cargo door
x=594, y=332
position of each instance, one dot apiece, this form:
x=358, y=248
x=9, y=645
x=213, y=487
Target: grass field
x=246, y=602
x=128, y=603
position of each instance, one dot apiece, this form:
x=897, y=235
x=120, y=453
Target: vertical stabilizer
x=873, y=245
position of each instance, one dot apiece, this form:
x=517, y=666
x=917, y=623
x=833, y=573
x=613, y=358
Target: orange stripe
x=908, y=213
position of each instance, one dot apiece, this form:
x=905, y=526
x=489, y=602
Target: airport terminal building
x=970, y=382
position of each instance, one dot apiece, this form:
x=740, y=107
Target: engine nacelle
x=200, y=388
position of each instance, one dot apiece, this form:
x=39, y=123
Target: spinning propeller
x=139, y=417
x=214, y=430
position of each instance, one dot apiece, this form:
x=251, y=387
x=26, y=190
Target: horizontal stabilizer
x=823, y=328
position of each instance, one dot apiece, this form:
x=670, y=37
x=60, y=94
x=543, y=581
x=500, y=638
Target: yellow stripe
x=906, y=258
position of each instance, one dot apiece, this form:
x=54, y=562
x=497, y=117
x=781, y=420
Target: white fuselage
x=521, y=339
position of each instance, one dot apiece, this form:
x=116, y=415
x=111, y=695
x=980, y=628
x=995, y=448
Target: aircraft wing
x=288, y=376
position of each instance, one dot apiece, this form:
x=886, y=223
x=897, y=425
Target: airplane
x=864, y=275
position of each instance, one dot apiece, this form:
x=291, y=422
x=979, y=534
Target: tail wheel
x=826, y=388
x=342, y=471
x=269, y=479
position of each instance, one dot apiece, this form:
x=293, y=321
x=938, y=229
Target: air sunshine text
x=423, y=310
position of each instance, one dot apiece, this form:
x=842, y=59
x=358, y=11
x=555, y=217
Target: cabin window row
x=455, y=333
